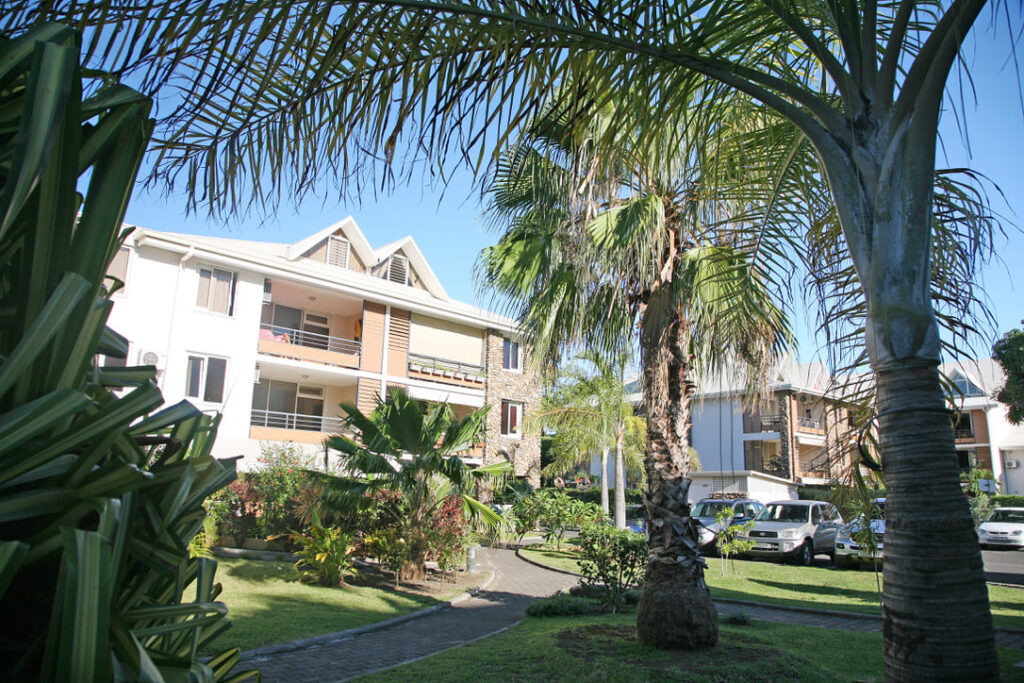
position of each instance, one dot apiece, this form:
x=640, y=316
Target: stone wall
x=522, y=451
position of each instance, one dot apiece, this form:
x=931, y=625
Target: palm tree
x=598, y=244
x=590, y=411
x=402, y=447
x=298, y=92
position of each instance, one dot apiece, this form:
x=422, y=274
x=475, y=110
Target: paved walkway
x=515, y=585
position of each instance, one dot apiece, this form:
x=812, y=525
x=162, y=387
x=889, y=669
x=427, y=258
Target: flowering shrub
x=446, y=536
x=390, y=548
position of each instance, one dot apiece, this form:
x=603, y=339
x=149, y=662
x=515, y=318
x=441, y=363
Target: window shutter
x=398, y=269
x=337, y=251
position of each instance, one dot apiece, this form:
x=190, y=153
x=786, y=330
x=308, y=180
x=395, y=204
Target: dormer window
x=965, y=387
x=337, y=251
x=398, y=269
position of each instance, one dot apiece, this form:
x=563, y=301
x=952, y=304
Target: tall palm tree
x=589, y=409
x=276, y=97
x=402, y=447
x=597, y=244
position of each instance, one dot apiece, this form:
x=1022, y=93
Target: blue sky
x=450, y=232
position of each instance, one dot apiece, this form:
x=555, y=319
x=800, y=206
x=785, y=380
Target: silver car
x=848, y=552
x=706, y=512
x=796, y=529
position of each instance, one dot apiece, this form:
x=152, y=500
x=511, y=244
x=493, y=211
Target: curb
x=767, y=605
x=545, y=566
x=259, y=653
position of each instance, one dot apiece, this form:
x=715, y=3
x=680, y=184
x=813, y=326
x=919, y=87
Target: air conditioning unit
x=150, y=357
x=804, y=398
x=1012, y=464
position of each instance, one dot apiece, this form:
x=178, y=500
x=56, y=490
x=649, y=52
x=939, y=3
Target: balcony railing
x=754, y=423
x=963, y=431
x=442, y=365
x=310, y=340
x=307, y=423
x=813, y=424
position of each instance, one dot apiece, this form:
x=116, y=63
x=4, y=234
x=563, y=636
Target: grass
x=604, y=648
x=824, y=588
x=267, y=604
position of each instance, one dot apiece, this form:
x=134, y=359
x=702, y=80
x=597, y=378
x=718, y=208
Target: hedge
x=593, y=495
x=1008, y=501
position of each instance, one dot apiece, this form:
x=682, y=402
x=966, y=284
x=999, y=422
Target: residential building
x=801, y=434
x=275, y=336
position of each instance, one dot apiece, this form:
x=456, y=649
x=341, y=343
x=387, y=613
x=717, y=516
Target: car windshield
x=1011, y=516
x=710, y=508
x=781, y=512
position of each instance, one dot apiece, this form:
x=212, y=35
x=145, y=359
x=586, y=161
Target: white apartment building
x=274, y=336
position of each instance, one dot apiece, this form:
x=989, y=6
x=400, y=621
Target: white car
x=1004, y=528
x=848, y=552
x=797, y=529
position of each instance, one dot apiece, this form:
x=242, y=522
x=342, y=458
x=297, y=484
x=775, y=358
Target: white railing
x=811, y=423
x=311, y=340
x=444, y=365
x=308, y=423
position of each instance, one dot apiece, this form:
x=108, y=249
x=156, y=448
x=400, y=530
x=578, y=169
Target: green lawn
x=782, y=584
x=267, y=605
x=604, y=648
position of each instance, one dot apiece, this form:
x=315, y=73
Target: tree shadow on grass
x=817, y=596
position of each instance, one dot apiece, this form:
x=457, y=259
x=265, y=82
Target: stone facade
x=522, y=451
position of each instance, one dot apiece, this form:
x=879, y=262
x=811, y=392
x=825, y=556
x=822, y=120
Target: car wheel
x=805, y=555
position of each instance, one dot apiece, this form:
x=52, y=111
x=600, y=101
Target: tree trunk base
x=675, y=611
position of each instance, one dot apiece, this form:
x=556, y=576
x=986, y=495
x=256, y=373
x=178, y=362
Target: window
x=205, y=379
x=337, y=251
x=216, y=290
x=286, y=405
x=816, y=514
x=511, y=417
x=963, y=426
x=118, y=267
x=510, y=356
x=965, y=387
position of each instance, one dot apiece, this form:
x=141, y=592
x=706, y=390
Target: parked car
x=796, y=529
x=1004, y=528
x=706, y=512
x=848, y=552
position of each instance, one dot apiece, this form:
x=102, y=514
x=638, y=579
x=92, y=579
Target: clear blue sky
x=449, y=231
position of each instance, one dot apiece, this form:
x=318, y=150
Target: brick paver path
x=515, y=585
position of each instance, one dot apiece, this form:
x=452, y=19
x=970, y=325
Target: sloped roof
x=348, y=227
x=407, y=245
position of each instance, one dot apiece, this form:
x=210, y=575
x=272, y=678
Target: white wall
x=718, y=434
x=157, y=312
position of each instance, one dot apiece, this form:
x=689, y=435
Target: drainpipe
x=384, y=353
x=188, y=255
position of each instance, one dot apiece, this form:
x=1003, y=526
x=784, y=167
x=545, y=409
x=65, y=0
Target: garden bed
x=268, y=605
x=605, y=648
x=781, y=584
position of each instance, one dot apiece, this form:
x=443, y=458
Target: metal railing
x=443, y=365
x=307, y=423
x=963, y=431
x=811, y=423
x=753, y=423
x=310, y=340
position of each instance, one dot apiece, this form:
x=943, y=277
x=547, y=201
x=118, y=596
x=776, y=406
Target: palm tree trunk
x=937, y=618
x=620, y=485
x=675, y=609
x=604, y=480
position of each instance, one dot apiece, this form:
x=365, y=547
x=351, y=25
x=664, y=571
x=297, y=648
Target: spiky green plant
x=101, y=488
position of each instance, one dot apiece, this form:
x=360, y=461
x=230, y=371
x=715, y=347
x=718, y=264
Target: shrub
x=325, y=555
x=561, y=605
x=1008, y=501
x=593, y=495
x=277, y=479
x=513, y=491
x=611, y=560
x=446, y=536
x=390, y=549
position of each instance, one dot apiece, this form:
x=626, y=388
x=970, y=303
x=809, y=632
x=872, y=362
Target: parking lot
x=1004, y=566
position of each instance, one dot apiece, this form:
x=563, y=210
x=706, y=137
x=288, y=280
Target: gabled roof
x=349, y=228
x=407, y=245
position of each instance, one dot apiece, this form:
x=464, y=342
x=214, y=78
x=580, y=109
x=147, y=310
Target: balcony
x=312, y=346
x=814, y=425
x=448, y=371
x=270, y=425
x=755, y=423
